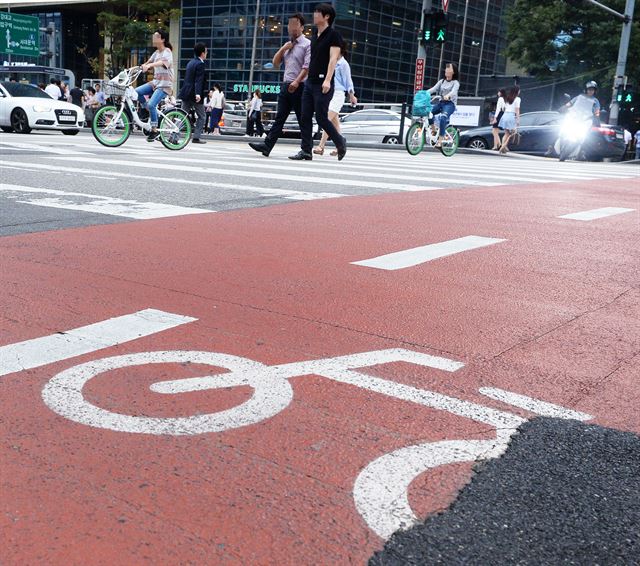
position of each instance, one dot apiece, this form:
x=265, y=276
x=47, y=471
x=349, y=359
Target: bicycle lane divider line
x=596, y=213
x=423, y=254
x=99, y=204
x=264, y=191
x=61, y=346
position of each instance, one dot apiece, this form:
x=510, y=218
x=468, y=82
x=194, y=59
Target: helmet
x=591, y=84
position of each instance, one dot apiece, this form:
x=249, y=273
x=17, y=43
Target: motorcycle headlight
x=41, y=108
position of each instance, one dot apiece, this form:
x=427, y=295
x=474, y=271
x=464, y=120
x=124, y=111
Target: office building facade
x=382, y=36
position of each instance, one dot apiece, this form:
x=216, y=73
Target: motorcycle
x=573, y=132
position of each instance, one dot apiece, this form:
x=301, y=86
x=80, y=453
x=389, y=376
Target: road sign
x=419, y=74
x=445, y=5
x=19, y=34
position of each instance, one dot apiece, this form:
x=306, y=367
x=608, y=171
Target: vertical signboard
x=419, y=75
x=19, y=34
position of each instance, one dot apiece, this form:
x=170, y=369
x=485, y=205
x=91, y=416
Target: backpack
x=421, y=103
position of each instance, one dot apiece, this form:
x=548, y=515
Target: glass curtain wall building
x=381, y=34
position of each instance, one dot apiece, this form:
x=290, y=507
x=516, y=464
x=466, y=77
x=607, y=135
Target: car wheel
x=19, y=121
x=477, y=143
x=6, y=129
x=391, y=140
x=70, y=132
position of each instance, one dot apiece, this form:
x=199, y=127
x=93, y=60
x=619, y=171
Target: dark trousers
x=187, y=105
x=314, y=101
x=254, y=123
x=215, y=116
x=287, y=102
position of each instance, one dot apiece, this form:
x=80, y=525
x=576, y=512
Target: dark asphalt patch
x=563, y=493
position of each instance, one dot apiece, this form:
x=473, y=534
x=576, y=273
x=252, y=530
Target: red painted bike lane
x=549, y=312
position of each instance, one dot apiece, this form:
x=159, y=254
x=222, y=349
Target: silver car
x=234, y=119
x=373, y=126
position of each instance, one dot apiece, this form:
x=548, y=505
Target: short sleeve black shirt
x=321, y=53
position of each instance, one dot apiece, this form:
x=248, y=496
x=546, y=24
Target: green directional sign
x=19, y=35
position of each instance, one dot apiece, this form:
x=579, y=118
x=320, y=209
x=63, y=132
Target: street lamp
x=254, y=47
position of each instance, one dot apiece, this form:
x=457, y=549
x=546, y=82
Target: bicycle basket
x=114, y=89
x=421, y=103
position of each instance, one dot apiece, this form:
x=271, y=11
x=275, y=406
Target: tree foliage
x=565, y=38
x=128, y=25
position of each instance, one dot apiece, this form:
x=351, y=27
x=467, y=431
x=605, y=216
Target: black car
x=539, y=131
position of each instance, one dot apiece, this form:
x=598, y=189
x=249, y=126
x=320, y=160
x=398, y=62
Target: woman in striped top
x=162, y=84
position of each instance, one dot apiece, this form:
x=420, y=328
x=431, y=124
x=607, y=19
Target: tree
x=129, y=25
x=565, y=38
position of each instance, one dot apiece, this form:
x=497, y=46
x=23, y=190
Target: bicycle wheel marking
x=381, y=489
x=63, y=395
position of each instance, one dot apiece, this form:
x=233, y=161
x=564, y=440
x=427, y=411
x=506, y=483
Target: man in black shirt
x=77, y=96
x=318, y=89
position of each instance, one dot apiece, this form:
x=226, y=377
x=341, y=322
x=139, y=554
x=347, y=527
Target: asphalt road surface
x=210, y=357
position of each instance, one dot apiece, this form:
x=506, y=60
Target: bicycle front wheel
x=415, y=138
x=175, y=130
x=109, y=128
x=450, y=141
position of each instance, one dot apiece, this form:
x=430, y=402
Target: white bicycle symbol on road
x=380, y=490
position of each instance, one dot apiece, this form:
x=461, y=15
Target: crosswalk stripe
x=262, y=191
x=368, y=170
x=344, y=170
x=300, y=178
x=98, y=204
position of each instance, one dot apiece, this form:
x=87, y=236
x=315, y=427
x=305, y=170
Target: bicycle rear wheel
x=175, y=130
x=450, y=141
x=415, y=138
x=108, y=128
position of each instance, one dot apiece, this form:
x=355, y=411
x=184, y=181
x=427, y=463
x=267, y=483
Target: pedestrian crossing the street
x=145, y=181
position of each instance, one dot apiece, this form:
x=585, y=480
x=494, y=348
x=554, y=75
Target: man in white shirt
x=53, y=90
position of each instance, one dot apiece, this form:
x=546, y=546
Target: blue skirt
x=508, y=121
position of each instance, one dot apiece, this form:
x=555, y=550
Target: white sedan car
x=25, y=107
x=373, y=126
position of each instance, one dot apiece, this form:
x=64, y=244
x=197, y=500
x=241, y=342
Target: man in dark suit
x=192, y=90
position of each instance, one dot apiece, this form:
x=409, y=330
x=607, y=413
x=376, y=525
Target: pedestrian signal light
x=441, y=35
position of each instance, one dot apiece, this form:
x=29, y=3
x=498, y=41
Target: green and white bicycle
x=421, y=133
x=113, y=123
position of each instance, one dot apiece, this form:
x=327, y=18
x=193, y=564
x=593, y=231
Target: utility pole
x=464, y=31
x=623, y=50
x=254, y=47
x=484, y=33
x=422, y=50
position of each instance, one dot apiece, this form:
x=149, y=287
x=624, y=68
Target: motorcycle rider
x=587, y=104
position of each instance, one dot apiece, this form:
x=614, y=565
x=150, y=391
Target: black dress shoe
x=260, y=148
x=153, y=134
x=301, y=156
x=198, y=140
x=342, y=151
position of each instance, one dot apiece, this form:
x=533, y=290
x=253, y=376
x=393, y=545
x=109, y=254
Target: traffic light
x=439, y=28
x=625, y=96
x=426, y=33
x=435, y=27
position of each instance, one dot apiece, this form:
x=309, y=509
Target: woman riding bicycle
x=447, y=89
x=162, y=84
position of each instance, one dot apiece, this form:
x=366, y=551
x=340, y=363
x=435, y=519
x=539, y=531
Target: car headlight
x=41, y=108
